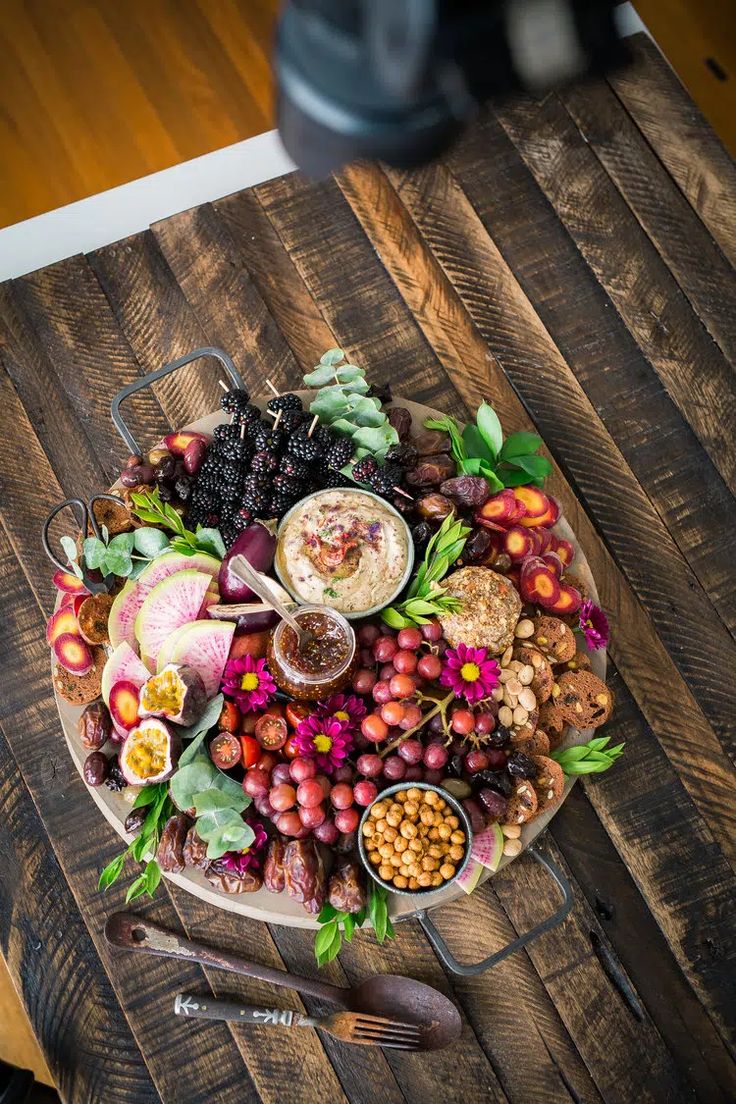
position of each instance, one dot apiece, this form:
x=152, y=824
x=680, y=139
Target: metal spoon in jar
x=242, y=570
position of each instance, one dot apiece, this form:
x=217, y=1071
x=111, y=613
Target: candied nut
x=511, y=831
x=505, y=676
x=512, y=847
x=505, y=716
x=526, y=674
x=497, y=694
x=520, y=715
x=527, y=699
x=524, y=629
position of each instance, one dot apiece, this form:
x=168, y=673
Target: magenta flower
x=594, y=625
x=324, y=739
x=343, y=707
x=239, y=861
x=248, y=682
x=469, y=673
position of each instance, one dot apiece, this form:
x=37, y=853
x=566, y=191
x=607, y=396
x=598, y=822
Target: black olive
x=521, y=766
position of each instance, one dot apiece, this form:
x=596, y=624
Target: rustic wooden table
x=570, y=260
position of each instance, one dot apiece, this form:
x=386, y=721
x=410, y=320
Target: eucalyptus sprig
x=148, y=506
x=590, y=758
x=337, y=925
x=160, y=808
x=343, y=403
x=426, y=598
x=480, y=449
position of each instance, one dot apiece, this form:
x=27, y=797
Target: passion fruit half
x=177, y=693
x=150, y=752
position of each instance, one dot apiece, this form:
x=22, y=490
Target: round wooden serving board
x=279, y=908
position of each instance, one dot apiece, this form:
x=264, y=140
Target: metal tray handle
x=145, y=381
x=448, y=959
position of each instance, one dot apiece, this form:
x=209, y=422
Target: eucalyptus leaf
x=332, y=357
x=123, y=542
x=94, y=552
x=242, y=835
x=210, y=824
x=191, y=779
x=214, y=800
x=329, y=404
x=344, y=427
x=117, y=562
x=207, y=720
x=356, y=387
x=70, y=547
x=490, y=427
x=234, y=790
x=149, y=542
x=349, y=372
x=320, y=377
x=376, y=438
x=363, y=412
x=76, y=570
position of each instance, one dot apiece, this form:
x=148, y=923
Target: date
x=170, y=854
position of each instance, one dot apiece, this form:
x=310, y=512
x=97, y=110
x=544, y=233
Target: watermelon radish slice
x=127, y=604
x=204, y=645
x=172, y=603
x=63, y=621
x=122, y=666
x=468, y=878
x=487, y=847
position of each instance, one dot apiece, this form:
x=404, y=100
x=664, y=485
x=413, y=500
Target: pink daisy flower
x=324, y=739
x=248, y=682
x=240, y=861
x=343, y=707
x=594, y=625
x=469, y=673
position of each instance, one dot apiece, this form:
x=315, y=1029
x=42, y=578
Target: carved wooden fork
x=351, y=1027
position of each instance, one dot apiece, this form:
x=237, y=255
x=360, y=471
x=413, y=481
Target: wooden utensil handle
x=135, y=933
x=205, y=1008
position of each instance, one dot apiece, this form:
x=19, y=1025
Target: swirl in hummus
x=345, y=549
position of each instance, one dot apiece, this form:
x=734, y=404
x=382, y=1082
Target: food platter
x=281, y=909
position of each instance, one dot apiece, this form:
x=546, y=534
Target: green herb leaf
x=209, y=540
x=94, y=552
x=112, y=871
x=348, y=927
x=489, y=427
x=349, y=372
x=148, y=794
x=332, y=357
x=512, y=478
x=475, y=443
x=519, y=444
x=320, y=377
x=327, y=912
x=376, y=439
x=590, y=758
x=213, y=800
x=394, y=619
x=70, y=547
x=537, y=466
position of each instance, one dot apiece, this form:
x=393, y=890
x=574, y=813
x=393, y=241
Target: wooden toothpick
x=313, y=426
x=269, y=384
x=278, y=419
x=242, y=432
x=404, y=493
x=223, y=385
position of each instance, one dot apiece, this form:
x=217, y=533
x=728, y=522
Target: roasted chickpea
x=401, y=797
x=407, y=829
x=452, y=821
x=390, y=834
x=434, y=851
x=370, y=845
x=457, y=837
x=411, y=810
x=456, y=852
x=381, y=826
x=431, y=798
x=414, y=794
x=374, y=858
x=400, y=844
x=444, y=831
x=433, y=834
x=436, y=879
x=386, y=872
x=425, y=879
x=416, y=845
x=395, y=860
x=426, y=816
x=367, y=828
x=379, y=810
x=428, y=863
x=385, y=850
x=400, y=881
x=447, y=871
x=393, y=819
x=413, y=884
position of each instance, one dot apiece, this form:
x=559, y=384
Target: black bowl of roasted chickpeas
x=415, y=838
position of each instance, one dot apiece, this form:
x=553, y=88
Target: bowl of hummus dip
x=345, y=548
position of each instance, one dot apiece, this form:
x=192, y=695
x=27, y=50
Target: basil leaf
x=152, y=875
x=472, y=466
x=149, y=542
x=136, y=889
x=475, y=443
x=490, y=428
x=112, y=872
x=324, y=937
x=519, y=444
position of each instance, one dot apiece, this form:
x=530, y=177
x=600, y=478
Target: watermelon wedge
x=173, y=602
x=127, y=604
x=204, y=645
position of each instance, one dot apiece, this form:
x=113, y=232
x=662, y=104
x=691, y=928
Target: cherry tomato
x=230, y=717
x=296, y=712
x=275, y=709
x=249, y=723
x=271, y=731
x=225, y=750
x=290, y=748
x=250, y=751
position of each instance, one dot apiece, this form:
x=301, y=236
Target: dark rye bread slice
x=81, y=689
x=544, y=679
x=553, y=723
x=549, y=783
x=584, y=700
x=522, y=806
x=554, y=638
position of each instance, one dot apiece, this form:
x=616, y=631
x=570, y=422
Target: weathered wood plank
x=276, y=278
x=679, y=237
x=687, y=360
x=477, y=374
x=682, y=139
x=74, y=1012
x=218, y=287
x=600, y=871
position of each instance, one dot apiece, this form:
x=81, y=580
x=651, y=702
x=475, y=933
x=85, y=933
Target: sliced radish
x=487, y=847
x=124, y=705
x=470, y=876
x=61, y=622
x=73, y=654
x=68, y=583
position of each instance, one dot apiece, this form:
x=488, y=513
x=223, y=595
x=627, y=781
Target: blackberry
x=279, y=504
x=226, y=431
x=237, y=450
x=338, y=452
x=115, y=780
x=297, y=469
x=334, y=478
x=403, y=454
x=303, y=447
x=292, y=419
x=323, y=436
x=364, y=469
x=234, y=399
x=247, y=415
x=264, y=461
x=202, y=499
x=384, y=479
x=285, y=485
x=284, y=402
x=242, y=519
x=231, y=474
x=269, y=438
